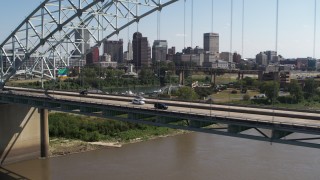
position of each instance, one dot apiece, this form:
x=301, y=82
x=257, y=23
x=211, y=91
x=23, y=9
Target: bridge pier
x=44, y=129
x=181, y=77
x=240, y=75
x=21, y=134
x=213, y=77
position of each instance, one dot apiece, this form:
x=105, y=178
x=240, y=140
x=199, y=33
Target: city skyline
x=295, y=32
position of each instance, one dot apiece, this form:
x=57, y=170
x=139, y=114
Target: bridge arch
x=53, y=34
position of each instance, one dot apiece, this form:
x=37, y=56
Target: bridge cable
x=191, y=55
x=191, y=23
x=230, y=53
x=315, y=29
x=212, y=15
x=184, y=24
x=277, y=25
x=157, y=59
x=275, y=69
x=242, y=43
x=242, y=46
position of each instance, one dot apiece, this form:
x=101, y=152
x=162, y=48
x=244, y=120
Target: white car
x=138, y=101
x=140, y=98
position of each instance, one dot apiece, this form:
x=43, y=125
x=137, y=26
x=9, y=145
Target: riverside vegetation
x=73, y=133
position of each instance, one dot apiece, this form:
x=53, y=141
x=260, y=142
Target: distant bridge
x=208, y=118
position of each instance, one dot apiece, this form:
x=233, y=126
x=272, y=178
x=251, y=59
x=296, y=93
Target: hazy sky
x=295, y=37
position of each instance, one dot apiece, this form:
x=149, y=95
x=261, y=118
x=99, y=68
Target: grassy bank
x=74, y=133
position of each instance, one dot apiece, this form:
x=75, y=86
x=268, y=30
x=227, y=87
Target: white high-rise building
x=130, y=53
x=211, y=43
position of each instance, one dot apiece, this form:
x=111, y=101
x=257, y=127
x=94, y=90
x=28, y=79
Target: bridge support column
x=213, y=78
x=19, y=132
x=181, y=77
x=44, y=125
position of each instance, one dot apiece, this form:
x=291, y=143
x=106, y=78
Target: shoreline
x=61, y=146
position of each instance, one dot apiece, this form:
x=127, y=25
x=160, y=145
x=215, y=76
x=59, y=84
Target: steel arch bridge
x=57, y=31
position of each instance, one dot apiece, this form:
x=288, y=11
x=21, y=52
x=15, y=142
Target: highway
x=308, y=119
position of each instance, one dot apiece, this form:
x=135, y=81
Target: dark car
x=83, y=92
x=160, y=106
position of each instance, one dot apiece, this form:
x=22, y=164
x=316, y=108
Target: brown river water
x=186, y=157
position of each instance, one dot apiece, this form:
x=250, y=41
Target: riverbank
x=62, y=146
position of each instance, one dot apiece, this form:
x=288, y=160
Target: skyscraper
x=82, y=37
x=262, y=59
x=272, y=56
x=159, y=50
x=115, y=50
x=130, y=54
x=141, y=52
x=211, y=43
x=93, y=56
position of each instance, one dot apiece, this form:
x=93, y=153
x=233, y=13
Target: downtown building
x=115, y=50
x=159, y=50
x=171, y=53
x=81, y=38
x=211, y=43
x=128, y=55
x=210, y=48
x=141, y=51
x=262, y=59
x=93, y=56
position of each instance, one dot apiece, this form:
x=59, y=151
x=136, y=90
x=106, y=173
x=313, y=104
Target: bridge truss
x=61, y=32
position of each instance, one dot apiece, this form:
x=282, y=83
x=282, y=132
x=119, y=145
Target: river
x=188, y=157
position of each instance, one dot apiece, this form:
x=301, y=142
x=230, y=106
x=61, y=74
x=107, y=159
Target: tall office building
x=141, y=50
x=171, y=53
x=159, y=50
x=262, y=59
x=115, y=50
x=127, y=55
x=211, y=43
x=130, y=54
x=272, y=56
x=82, y=38
x=93, y=56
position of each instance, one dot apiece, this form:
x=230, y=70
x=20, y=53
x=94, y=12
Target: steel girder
x=60, y=32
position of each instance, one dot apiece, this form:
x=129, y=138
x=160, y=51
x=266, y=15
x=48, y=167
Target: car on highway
x=138, y=101
x=158, y=105
x=140, y=98
x=83, y=92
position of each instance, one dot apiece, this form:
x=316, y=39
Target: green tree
x=203, y=91
x=187, y=93
x=309, y=88
x=248, y=81
x=296, y=91
x=146, y=76
x=270, y=89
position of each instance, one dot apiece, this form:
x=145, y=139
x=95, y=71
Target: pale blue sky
x=296, y=24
